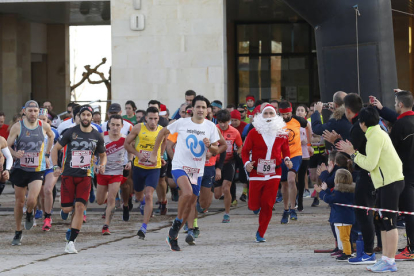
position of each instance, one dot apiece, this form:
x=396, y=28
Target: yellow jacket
x=382, y=160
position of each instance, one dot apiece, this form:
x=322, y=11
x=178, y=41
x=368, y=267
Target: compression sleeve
x=9, y=158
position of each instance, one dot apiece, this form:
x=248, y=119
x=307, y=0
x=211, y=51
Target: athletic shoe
x=84, y=218
x=47, y=224
x=17, y=239
x=285, y=217
x=158, y=210
x=196, y=232
x=199, y=209
x=185, y=227
x=377, y=249
x=405, y=255
x=63, y=215
x=333, y=251
x=174, y=194
x=175, y=228
x=306, y=193
x=293, y=215
x=226, y=218
x=67, y=235
x=383, y=266
x=234, y=203
x=92, y=196
x=279, y=198
x=243, y=197
x=117, y=203
x=222, y=197
x=28, y=223
x=258, y=238
x=70, y=248
x=300, y=208
x=38, y=214
x=336, y=254
x=105, y=231
x=343, y=258
x=173, y=244
x=141, y=234
x=141, y=208
x=315, y=202
x=313, y=195
x=363, y=259
x=401, y=224
x=256, y=212
x=190, y=238
x=164, y=209
x=125, y=213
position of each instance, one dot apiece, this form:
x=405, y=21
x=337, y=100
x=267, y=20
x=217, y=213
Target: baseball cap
x=31, y=103
x=115, y=107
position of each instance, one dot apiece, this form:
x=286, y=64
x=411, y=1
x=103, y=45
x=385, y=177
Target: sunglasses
x=189, y=112
x=242, y=111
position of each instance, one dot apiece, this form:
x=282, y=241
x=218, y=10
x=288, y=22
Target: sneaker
x=315, y=202
x=70, y=248
x=336, y=253
x=243, y=197
x=28, y=223
x=383, y=266
x=333, y=251
x=173, y=244
x=17, y=239
x=256, y=212
x=185, y=227
x=104, y=215
x=117, y=203
x=405, y=255
x=38, y=214
x=174, y=194
x=196, y=232
x=364, y=259
x=158, y=210
x=63, y=215
x=47, y=224
x=279, y=198
x=141, y=208
x=285, y=217
x=234, y=203
x=175, y=228
x=84, y=218
x=401, y=224
x=164, y=209
x=300, y=208
x=293, y=215
x=306, y=193
x=258, y=238
x=222, y=197
x=67, y=235
x=141, y=234
x=313, y=195
x=105, y=231
x=125, y=213
x=190, y=238
x=377, y=249
x=92, y=196
x=226, y=218
x=199, y=209
x=343, y=258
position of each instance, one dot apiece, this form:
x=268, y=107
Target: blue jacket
x=338, y=122
x=329, y=178
x=342, y=194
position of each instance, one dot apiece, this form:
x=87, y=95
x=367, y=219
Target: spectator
x=69, y=109
x=4, y=132
x=96, y=118
x=139, y=114
x=250, y=106
x=130, y=109
x=189, y=97
x=54, y=118
x=385, y=167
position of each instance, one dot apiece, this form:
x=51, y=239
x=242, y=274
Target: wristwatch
x=55, y=168
x=47, y=155
x=354, y=155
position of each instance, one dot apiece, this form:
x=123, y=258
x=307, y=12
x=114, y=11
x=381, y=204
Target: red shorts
x=74, y=188
x=105, y=180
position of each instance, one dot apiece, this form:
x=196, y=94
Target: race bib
x=266, y=167
x=81, y=159
x=146, y=155
x=192, y=174
x=229, y=146
x=30, y=160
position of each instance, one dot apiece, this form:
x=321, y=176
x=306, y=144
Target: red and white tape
x=379, y=210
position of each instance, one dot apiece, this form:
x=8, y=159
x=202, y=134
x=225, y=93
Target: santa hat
x=250, y=98
x=268, y=106
x=256, y=110
x=235, y=114
x=163, y=110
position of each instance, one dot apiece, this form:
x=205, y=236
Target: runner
x=145, y=173
x=266, y=144
x=5, y=156
x=195, y=135
x=32, y=159
x=288, y=178
x=110, y=181
x=233, y=140
x=82, y=142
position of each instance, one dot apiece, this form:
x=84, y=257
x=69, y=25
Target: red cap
x=235, y=114
x=163, y=110
x=250, y=98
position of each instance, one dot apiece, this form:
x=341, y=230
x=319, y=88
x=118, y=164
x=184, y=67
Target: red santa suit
x=266, y=151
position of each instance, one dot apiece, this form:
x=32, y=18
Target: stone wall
x=182, y=47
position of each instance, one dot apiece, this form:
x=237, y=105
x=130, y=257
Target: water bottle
x=359, y=245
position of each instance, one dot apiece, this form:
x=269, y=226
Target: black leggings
x=300, y=185
x=407, y=204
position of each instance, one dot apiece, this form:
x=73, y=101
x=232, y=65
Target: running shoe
x=279, y=198
x=17, y=239
x=226, y=218
x=300, y=208
x=383, y=266
x=196, y=232
x=70, y=248
x=343, y=258
x=164, y=209
x=185, y=227
x=243, y=197
x=125, y=213
x=175, y=228
x=67, y=235
x=256, y=212
x=401, y=224
x=158, y=210
x=315, y=202
x=313, y=195
x=141, y=234
x=258, y=238
x=173, y=244
x=199, y=209
x=285, y=217
x=174, y=194
x=405, y=255
x=84, y=218
x=306, y=193
x=117, y=203
x=104, y=215
x=47, y=224
x=190, y=238
x=234, y=203
x=105, y=231
x=141, y=208
x=92, y=196
x=38, y=214
x=293, y=215
x=363, y=259
x=64, y=215
x=28, y=223
x=336, y=253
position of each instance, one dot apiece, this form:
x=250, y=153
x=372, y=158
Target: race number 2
x=81, y=159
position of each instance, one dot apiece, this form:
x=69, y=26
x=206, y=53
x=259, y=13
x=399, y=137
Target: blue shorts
x=49, y=171
x=296, y=161
x=178, y=173
x=208, y=177
x=145, y=178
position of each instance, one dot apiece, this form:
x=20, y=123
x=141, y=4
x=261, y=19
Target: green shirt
x=133, y=119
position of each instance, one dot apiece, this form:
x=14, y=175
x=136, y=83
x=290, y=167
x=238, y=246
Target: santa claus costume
x=264, y=147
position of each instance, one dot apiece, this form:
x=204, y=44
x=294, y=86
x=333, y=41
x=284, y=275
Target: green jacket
x=382, y=160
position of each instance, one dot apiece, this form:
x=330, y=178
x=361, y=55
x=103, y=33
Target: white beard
x=273, y=126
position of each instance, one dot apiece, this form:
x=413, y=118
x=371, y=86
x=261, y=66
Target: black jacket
x=338, y=122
